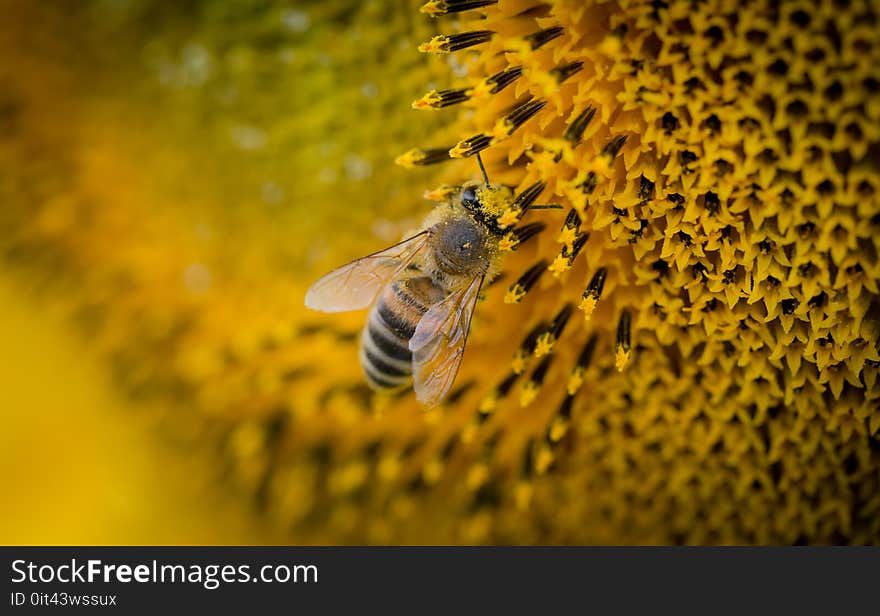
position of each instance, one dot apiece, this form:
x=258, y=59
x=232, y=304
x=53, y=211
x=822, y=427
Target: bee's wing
x=355, y=285
x=438, y=343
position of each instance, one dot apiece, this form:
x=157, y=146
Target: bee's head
x=486, y=203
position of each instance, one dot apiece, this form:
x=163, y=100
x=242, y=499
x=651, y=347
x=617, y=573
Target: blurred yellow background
x=80, y=463
x=167, y=177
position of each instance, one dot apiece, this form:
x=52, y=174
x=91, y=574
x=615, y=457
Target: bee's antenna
x=483, y=170
x=549, y=206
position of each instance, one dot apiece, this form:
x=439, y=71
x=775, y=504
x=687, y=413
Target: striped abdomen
x=385, y=355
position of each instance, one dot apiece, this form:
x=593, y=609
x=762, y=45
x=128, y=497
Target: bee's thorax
x=459, y=249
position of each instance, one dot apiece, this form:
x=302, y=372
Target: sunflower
x=686, y=351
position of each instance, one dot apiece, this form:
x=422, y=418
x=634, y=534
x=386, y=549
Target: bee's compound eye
x=469, y=197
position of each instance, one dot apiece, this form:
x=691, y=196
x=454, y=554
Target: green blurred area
x=158, y=160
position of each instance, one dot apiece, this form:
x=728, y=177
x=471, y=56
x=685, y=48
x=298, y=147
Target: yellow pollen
x=509, y=217
x=522, y=495
x=477, y=476
x=544, y=345
x=558, y=429
x=508, y=243
x=559, y=265
x=520, y=360
x=410, y=158
x=621, y=359
x=439, y=45
x=432, y=471
x=429, y=101
x=514, y=295
x=488, y=403
x=495, y=200
x=434, y=8
x=588, y=305
x=460, y=150
x=543, y=460
x=575, y=380
x=388, y=468
x=528, y=393
x=348, y=478
x=567, y=236
x=469, y=432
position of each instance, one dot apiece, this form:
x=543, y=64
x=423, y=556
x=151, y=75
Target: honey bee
x=421, y=293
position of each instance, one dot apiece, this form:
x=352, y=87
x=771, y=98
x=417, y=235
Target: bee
x=421, y=293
